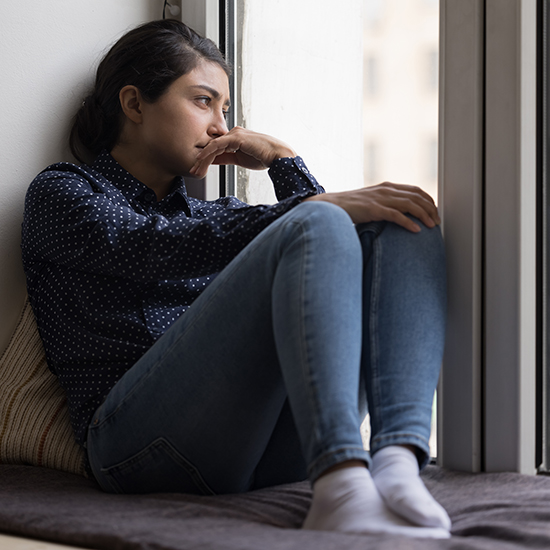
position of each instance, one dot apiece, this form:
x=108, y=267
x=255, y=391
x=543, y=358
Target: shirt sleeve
x=291, y=176
x=73, y=221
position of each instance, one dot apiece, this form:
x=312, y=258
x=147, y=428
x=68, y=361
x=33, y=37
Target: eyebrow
x=212, y=91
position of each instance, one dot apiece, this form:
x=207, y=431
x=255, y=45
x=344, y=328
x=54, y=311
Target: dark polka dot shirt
x=109, y=268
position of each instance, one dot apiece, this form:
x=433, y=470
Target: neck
x=137, y=165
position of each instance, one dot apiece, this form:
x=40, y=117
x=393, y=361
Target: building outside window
x=400, y=100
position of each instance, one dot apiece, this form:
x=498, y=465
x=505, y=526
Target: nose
x=218, y=127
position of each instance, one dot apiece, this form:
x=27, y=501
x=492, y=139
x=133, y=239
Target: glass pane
x=400, y=100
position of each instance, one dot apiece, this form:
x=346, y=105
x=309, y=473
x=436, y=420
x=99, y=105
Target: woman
x=214, y=347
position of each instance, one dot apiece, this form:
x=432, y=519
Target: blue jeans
x=265, y=379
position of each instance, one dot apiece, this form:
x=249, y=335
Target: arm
x=85, y=224
x=256, y=151
x=386, y=201
x=290, y=176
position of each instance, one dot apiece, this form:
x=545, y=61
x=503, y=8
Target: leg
x=197, y=413
x=201, y=411
x=405, y=302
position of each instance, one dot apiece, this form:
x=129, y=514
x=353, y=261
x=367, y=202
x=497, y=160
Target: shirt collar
x=130, y=186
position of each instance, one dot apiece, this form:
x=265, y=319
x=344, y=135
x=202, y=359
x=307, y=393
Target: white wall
x=302, y=82
x=48, y=51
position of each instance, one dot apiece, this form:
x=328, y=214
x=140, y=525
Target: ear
x=130, y=102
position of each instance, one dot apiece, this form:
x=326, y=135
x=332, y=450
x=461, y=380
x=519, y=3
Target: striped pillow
x=34, y=419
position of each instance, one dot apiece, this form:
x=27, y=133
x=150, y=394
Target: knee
x=324, y=215
x=406, y=245
x=325, y=225
x=429, y=238
x=427, y=234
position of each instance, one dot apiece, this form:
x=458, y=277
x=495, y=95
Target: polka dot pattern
x=109, y=269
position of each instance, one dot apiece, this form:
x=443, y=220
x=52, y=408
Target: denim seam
x=374, y=344
x=311, y=394
x=306, y=371
x=189, y=467
x=403, y=438
x=399, y=435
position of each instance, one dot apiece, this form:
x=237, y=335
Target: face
x=185, y=119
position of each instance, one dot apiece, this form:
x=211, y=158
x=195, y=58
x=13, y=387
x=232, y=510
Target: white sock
x=396, y=476
x=347, y=500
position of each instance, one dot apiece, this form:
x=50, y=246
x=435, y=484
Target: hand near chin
x=386, y=201
x=241, y=147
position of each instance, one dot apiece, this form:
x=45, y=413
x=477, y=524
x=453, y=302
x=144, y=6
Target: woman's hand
x=386, y=201
x=243, y=148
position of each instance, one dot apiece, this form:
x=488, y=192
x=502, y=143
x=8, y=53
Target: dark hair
x=150, y=57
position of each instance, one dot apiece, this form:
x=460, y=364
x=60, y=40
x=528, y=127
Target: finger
x=406, y=199
x=200, y=167
x=229, y=143
x=421, y=215
x=417, y=202
x=411, y=189
x=426, y=210
x=392, y=215
x=422, y=210
x=213, y=150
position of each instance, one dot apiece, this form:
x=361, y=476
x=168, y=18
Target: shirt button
x=305, y=170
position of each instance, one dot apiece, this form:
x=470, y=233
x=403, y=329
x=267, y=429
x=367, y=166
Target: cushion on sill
x=34, y=418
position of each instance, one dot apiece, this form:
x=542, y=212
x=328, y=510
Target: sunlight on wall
x=301, y=82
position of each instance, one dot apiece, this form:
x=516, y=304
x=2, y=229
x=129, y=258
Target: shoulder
x=64, y=176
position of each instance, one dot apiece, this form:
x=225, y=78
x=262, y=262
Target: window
x=371, y=77
x=487, y=170
x=489, y=201
x=400, y=101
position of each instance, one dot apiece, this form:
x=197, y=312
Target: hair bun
x=149, y=57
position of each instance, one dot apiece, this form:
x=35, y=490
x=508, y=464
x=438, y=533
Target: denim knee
x=325, y=221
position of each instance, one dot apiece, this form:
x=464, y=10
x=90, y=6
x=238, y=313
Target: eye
x=205, y=100
x=225, y=114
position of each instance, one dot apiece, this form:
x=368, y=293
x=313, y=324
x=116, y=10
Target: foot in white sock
x=396, y=476
x=347, y=500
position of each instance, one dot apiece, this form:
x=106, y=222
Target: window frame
x=488, y=178
x=488, y=198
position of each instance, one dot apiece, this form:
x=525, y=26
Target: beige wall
x=47, y=53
